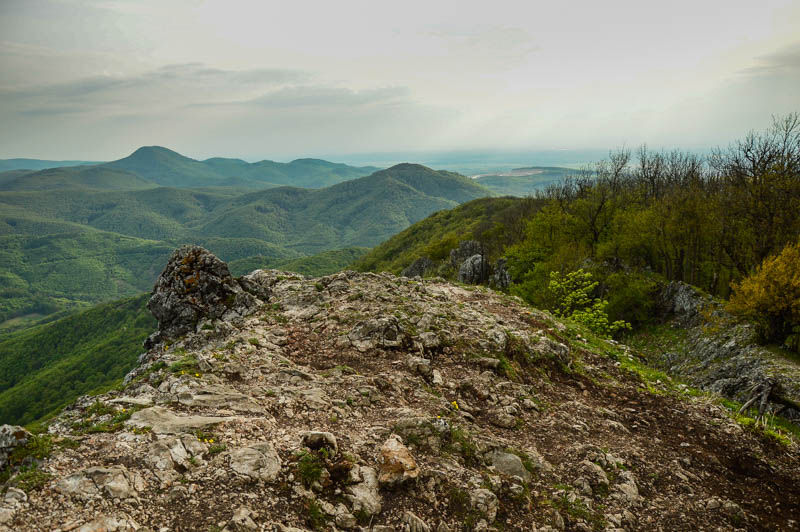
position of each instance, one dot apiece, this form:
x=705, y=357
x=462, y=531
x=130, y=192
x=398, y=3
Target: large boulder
x=465, y=250
x=11, y=437
x=501, y=278
x=474, y=270
x=193, y=285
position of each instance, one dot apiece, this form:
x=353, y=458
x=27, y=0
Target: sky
x=95, y=79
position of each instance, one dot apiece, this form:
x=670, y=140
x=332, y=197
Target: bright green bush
x=574, y=298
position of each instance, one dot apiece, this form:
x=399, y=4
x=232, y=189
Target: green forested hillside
x=37, y=164
x=77, y=246
x=317, y=265
x=497, y=222
x=46, y=367
x=78, y=177
x=709, y=222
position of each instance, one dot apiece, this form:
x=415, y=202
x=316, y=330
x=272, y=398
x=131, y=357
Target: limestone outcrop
x=370, y=402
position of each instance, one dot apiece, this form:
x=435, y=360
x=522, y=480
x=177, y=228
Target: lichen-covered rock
x=258, y=462
x=414, y=523
x=501, y=278
x=465, y=250
x=365, y=356
x=194, y=284
x=11, y=437
x=162, y=420
x=365, y=496
x=474, y=270
x=485, y=502
x=114, y=482
x=509, y=464
x=318, y=439
x=377, y=332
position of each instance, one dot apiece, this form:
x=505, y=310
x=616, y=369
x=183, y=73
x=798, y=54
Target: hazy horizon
x=94, y=79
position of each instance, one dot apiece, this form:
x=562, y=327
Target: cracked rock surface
x=360, y=401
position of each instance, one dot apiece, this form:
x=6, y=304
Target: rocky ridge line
x=382, y=403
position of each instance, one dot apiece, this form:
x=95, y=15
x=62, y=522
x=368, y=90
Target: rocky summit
x=372, y=402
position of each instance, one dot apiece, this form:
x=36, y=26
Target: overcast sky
x=94, y=79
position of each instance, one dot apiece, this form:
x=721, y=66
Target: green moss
x=461, y=443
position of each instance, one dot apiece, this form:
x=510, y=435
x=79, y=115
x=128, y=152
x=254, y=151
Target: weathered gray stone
x=501, y=278
x=317, y=440
x=164, y=421
x=474, y=270
x=509, y=464
x=11, y=437
x=377, y=332
x=365, y=496
x=414, y=523
x=259, y=461
x=115, y=482
x=485, y=502
x=465, y=250
x=242, y=520
x=194, y=284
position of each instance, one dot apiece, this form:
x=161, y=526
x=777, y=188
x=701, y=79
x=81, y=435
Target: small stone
x=242, y=519
x=509, y=464
x=365, y=496
x=344, y=519
x=485, y=502
x=317, y=440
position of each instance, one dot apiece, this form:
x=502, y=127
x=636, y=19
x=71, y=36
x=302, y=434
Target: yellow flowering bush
x=771, y=297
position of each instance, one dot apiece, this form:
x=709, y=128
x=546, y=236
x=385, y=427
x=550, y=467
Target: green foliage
x=318, y=265
x=187, y=364
x=120, y=239
x=771, y=297
x=502, y=220
x=216, y=449
x=30, y=478
x=462, y=443
x=574, y=299
x=46, y=367
x=309, y=468
x=315, y=516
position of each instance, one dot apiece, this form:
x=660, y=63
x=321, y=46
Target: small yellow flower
x=455, y=405
x=183, y=372
x=196, y=374
x=211, y=440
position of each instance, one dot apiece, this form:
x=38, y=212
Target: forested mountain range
x=81, y=235
x=153, y=166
